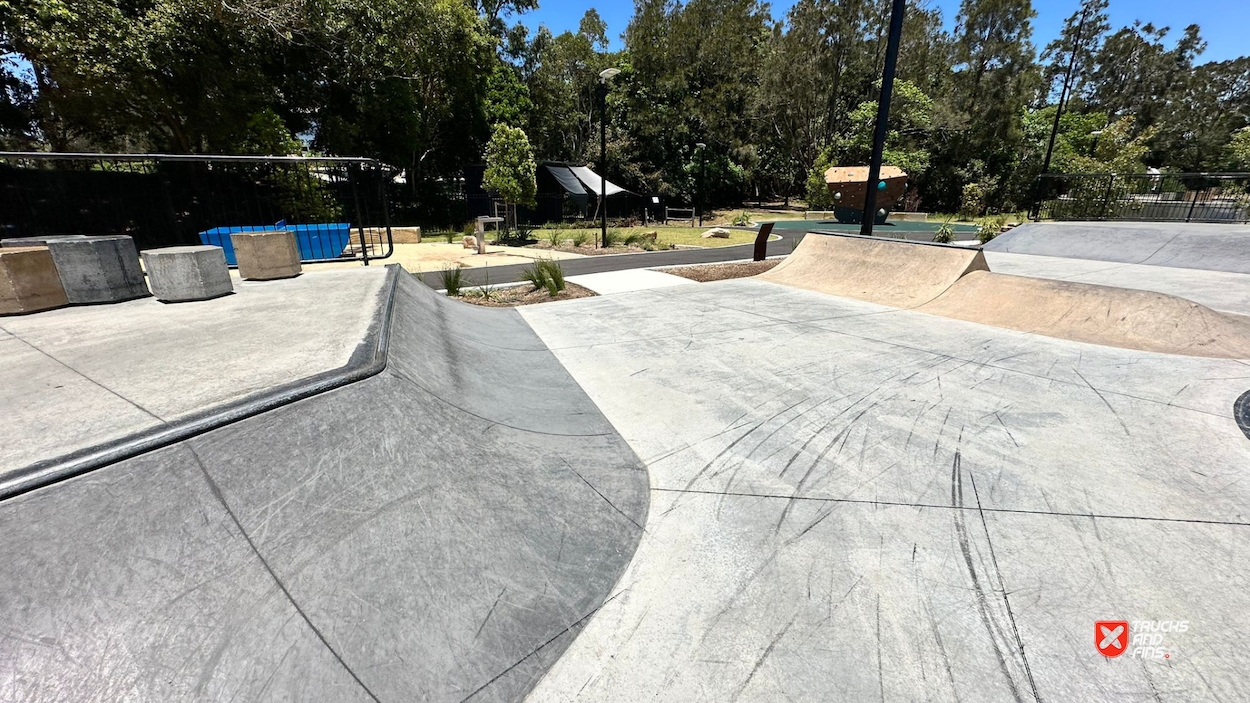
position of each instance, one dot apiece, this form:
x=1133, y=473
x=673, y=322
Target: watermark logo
x=1111, y=637
x=1141, y=639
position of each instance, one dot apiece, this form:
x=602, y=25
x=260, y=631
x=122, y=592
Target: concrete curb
x=369, y=359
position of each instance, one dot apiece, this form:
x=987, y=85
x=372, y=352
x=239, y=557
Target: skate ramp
x=1214, y=247
x=439, y=531
x=1084, y=312
x=889, y=272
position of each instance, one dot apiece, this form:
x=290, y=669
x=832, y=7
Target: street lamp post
x=604, y=76
x=1093, y=149
x=1063, y=96
x=883, y=119
x=702, y=173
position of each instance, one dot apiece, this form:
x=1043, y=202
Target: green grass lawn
x=685, y=236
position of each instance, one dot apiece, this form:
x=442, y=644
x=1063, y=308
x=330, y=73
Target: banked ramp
x=440, y=531
x=1084, y=312
x=1213, y=247
x=956, y=282
x=888, y=272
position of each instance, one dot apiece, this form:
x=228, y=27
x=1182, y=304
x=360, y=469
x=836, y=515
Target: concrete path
x=81, y=377
x=782, y=246
x=857, y=502
x=628, y=280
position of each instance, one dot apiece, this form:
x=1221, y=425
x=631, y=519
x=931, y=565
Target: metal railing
x=1162, y=197
x=338, y=208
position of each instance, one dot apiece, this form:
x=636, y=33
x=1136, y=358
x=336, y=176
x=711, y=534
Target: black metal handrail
x=337, y=207
x=1151, y=197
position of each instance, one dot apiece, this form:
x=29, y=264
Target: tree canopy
x=510, y=167
x=423, y=85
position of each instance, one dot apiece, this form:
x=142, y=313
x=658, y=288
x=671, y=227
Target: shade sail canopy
x=566, y=179
x=591, y=179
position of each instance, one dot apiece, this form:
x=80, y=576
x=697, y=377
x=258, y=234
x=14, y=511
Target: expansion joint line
x=221, y=498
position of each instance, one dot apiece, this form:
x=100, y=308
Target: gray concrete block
x=179, y=274
x=93, y=269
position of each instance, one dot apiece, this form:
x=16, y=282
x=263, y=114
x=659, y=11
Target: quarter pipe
x=440, y=531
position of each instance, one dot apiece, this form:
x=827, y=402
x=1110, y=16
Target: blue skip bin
x=314, y=241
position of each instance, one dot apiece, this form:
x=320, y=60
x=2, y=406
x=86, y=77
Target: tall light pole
x=883, y=118
x=604, y=76
x=702, y=172
x=1063, y=96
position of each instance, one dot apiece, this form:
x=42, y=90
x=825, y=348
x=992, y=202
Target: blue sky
x=1224, y=22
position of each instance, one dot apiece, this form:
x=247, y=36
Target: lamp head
x=607, y=74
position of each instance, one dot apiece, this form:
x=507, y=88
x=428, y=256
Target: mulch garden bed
x=512, y=296
x=721, y=272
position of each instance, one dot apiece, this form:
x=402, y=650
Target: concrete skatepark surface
x=132, y=368
x=855, y=502
x=430, y=533
x=732, y=491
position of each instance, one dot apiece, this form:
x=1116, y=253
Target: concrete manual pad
x=628, y=280
x=79, y=377
x=383, y=541
x=856, y=502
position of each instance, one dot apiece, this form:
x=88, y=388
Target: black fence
x=1163, y=197
x=338, y=208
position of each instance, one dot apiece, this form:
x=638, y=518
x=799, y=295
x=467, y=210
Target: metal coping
x=76, y=156
x=369, y=359
x=832, y=233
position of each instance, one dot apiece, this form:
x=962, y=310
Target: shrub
x=580, y=238
x=612, y=238
x=972, y=202
x=635, y=239
x=554, y=273
x=453, y=280
x=990, y=227
x=945, y=234
x=742, y=219
x=536, y=275
x=553, y=238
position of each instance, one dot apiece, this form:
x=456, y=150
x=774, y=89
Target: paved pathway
x=477, y=276
x=611, y=282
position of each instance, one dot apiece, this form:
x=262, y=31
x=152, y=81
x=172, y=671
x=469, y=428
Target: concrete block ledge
x=369, y=359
